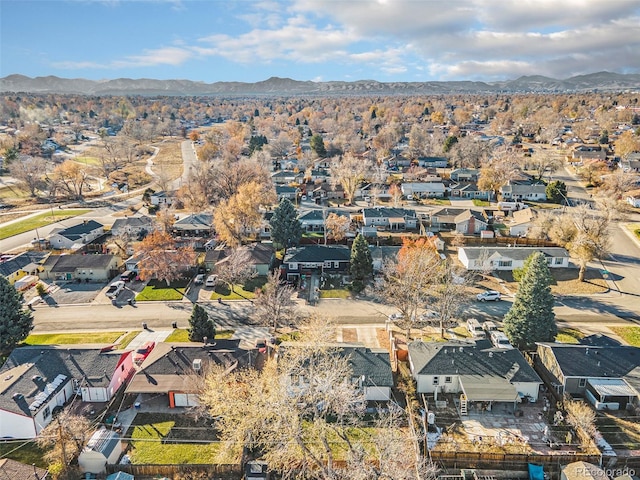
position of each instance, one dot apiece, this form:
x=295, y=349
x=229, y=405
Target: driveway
x=73, y=293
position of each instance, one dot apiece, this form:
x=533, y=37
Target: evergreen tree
x=201, y=325
x=316, y=142
x=450, y=141
x=361, y=264
x=286, y=229
x=531, y=319
x=556, y=191
x=15, y=323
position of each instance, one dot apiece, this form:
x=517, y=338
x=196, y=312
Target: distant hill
x=601, y=81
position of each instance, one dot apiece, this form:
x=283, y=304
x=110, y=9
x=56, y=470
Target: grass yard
x=45, y=218
x=631, y=335
x=158, y=290
x=240, y=292
x=481, y=203
x=335, y=293
x=461, y=331
x=620, y=430
x=74, y=338
x=168, y=162
x=126, y=340
x=181, y=335
x=565, y=282
x=634, y=228
x=23, y=451
x=157, y=439
x=569, y=335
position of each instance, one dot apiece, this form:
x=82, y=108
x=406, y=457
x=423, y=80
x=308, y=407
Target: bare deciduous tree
x=235, y=268
x=349, y=171
x=30, y=172
x=336, y=226
x=160, y=257
x=582, y=418
x=273, y=305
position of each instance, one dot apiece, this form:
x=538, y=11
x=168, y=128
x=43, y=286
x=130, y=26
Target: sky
x=318, y=40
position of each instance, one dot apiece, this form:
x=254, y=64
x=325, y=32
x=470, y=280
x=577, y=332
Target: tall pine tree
x=286, y=229
x=201, y=325
x=361, y=264
x=15, y=323
x=531, y=319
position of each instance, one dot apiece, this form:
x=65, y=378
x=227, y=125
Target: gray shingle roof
x=197, y=221
x=318, y=253
x=456, y=358
x=29, y=369
x=135, y=222
x=21, y=261
x=383, y=212
x=69, y=263
x=78, y=231
x=515, y=253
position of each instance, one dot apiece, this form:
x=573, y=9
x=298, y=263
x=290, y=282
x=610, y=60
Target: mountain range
x=275, y=86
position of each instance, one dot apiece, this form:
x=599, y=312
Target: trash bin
x=144, y=325
x=174, y=324
x=137, y=405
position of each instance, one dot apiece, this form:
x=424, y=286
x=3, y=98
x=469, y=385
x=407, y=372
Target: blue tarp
x=535, y=472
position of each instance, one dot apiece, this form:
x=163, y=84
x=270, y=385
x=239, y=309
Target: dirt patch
x=349, y=335
x=565, y=282
x=383, y=338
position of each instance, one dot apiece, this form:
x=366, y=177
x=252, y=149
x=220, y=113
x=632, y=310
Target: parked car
x=500, y=340
x=114, y=289
x=128, y=275
x=211, y=281
x=489, y=327
x=143, y=352
x=199, y=280
x=488, y=296
x=475, y=329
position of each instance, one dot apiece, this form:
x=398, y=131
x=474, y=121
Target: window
x=122, y=368
x=447, y=379
x=505, y=263
x=582, y=383
x=558, y=261
x=46, y=413
x=436, y=380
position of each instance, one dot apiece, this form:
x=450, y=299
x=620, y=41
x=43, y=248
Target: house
x=259, y=255
x=433, y=162
x=588, y=152
x=463, y=220
x=36, y=380
x=633, y=199
x=176, y=370
x=477, y=371
x=326, y=191
x=316, y=259
x=285, y=191
x=90, y=268
x=13, y=470
x=194, y=229
x=423, y=189
x=464, y=175
x=509, y=258
x=22, y=265
x=631, y=163
x=135, y=227
x=390, y=218
x=103, y=448
x=287, y=177
x=370, y=367
x=524, y=191
x=469, y=190
x=607, y=376
x=161, y=199
x=381, y=254
x=312, y=221
x=521, y=221
x=77, y=236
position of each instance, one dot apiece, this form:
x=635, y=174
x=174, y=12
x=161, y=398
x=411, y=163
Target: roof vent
x=586, y=352
x=461, y=349
x=18, y=396
x=490, y=354
x=197, y=364
x=598, y=362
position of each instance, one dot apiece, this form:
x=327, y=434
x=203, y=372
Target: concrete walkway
x=148, y=336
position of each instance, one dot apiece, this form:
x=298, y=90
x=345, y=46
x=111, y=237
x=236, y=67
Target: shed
x=120, y=476
x=103, y=448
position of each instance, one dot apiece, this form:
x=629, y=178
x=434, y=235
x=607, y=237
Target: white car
x=488, y=296
x=211, y=281
x=199, y=280
x=114, y=289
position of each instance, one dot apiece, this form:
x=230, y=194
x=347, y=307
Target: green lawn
x=158, y=290
x=127, y=338
x=631, y=335
x=634, y=228
x=240, y=292
x=23, y=451
x=481, y=203
x=74, y=338
x=180, y=335
x=569, y=335
x=335, y=293
x=152, y=438
x=45, y=218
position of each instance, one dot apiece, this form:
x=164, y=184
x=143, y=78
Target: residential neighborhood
x=230, y=286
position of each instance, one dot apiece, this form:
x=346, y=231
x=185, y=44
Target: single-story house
x=469, y=190
x=382, y=254
x=391, y=218
x=87, y=267
x=463, y=220
x=328, y=191
x=133, y=226
x=287, y=177
x=521, y=221
x=19, y=266
x=35, y=380
x=524, y=191
x=177, y=370
x=370, y=367
x=193, y=226
x=103, y=448
x=285, y=191
x=508, y=258
x=160, y=199
x=607, y=376
x=477, y=371
x=589, y=152
x=433, y=162
x=464, y=174
x=76, y=236
x=260, y=256
x=423, y=189
x=312, y=221
x=316, y=259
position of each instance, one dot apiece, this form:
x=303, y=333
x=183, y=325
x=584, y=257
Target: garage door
x=186, y=400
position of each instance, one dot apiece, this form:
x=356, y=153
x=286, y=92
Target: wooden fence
x=226, y=472
x=508, y=461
